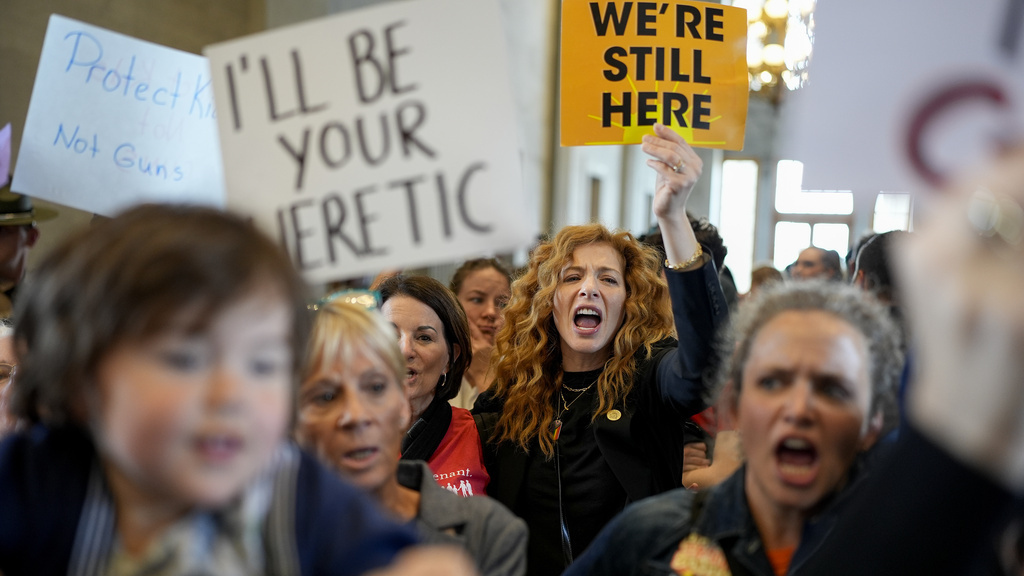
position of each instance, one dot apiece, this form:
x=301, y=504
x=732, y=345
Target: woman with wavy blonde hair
x=591, y=391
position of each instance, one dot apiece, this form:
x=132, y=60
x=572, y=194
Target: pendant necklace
x=557, y=424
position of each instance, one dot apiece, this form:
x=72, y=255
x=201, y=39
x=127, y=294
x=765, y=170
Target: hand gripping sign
x=627, y=65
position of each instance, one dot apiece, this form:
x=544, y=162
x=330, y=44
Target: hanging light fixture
x=780, y=35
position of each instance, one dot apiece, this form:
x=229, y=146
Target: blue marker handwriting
x=126, y=156
x=86, y=62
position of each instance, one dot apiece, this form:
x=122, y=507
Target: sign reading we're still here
x=627, y=65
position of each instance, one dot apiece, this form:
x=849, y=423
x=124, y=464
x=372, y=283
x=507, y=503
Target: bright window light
x=892, y=212
x=736, y=217
x=831, y=236
x=790, y=239
x=790, y=198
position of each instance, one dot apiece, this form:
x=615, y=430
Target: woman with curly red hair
x=591, y=390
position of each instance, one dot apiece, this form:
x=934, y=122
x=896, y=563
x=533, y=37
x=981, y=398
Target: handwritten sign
x=375, y=138
x=5, y=154
x=114, y=121
x=939, y=91
x=627, y=65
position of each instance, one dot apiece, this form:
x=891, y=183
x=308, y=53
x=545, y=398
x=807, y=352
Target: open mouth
x=218, y=447
x=359, y=457
x=798, y=461
x=587, y=319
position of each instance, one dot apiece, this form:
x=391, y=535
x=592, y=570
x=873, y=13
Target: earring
x=444, y=380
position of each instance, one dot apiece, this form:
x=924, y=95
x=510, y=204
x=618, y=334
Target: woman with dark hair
x=433, y=334
x=483, y=287
x=591, y=391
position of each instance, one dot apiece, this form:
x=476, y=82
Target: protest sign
x=377, y=138
x=903, y=96
x=114, y=121
x=5, y=154
x=627, y=65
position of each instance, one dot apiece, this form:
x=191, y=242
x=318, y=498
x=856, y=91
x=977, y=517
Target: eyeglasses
x=369, y=299
x=6, y=372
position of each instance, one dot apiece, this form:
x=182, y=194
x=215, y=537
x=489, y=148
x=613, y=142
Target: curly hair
x=130, y=278
x=442, y=301
x=527, y=348
x=847, y=303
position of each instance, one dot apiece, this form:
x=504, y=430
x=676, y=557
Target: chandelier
x=780, y=34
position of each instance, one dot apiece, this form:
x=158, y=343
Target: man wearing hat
x=18, y=233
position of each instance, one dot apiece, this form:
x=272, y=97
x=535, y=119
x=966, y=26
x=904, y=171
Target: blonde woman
x=354, y=411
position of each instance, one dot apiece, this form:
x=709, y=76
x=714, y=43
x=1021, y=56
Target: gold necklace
x=565, y=405
x=579, y=389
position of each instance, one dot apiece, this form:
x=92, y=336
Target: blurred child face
x=184, y=420
x=354, y=415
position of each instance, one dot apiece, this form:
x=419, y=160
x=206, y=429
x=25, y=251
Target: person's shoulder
x=44, y=475
x=317, y=489
x=494, y=536
x=318, y=486
x=648, y=521
x=638, y=535
x=492, y=512
x=486, y=412
x=488, y=402
x=663, y=346
x=461, y=415
x=328, y=511
x=463, y=426
x=41, y=453
x=665, y=509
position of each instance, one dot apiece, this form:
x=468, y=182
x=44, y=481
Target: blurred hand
x=728, y=450
x=482, y=343
x=695, y=455
x=965, y=298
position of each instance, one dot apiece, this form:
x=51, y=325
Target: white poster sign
x=378, y=138
x=115, y=121
x=903, y=95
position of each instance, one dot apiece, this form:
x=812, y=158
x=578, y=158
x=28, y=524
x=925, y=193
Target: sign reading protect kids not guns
x=116, y=121
x=627, y=65
x=376, y=138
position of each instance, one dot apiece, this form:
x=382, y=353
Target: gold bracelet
x=684, y=265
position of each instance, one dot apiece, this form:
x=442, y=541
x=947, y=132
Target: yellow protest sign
x=626, y=65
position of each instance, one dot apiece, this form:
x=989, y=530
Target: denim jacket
x=644, y=537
